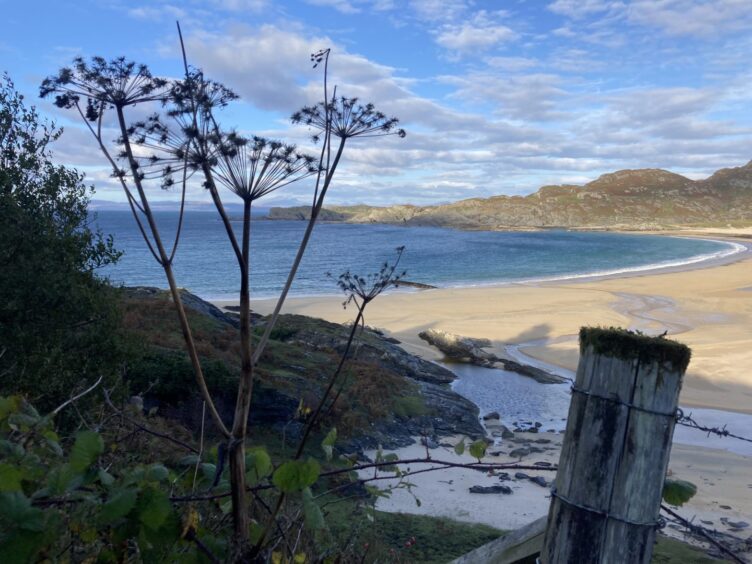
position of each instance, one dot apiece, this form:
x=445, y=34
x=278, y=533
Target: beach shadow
x=538, y=334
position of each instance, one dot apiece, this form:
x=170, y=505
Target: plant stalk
x=166, y=264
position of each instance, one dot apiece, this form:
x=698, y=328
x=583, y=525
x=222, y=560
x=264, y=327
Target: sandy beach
x=707, y=306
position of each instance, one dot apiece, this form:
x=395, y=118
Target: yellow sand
x=709, y=309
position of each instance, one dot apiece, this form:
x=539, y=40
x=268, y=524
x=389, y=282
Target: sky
x=497, y=97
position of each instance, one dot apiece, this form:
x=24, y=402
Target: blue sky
x=498, y=97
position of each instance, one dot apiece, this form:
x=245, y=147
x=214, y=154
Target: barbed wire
x=688, y=421
x=703, y=532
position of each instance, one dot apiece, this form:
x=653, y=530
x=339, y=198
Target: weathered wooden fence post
x=606, y=499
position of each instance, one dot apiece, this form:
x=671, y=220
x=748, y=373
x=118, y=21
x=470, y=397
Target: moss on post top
x=630, y=345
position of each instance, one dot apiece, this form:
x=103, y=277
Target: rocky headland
x=643, y=199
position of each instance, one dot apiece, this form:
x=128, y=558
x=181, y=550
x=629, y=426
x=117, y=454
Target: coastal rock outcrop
x=371, y=346
x=292, y=369
x=471, y=350
x=459, y=348
x=500, y=489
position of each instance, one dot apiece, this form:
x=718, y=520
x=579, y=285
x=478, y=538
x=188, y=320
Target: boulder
x=471, y=350
x=458, y=348
x=497, y=489
x=520, y=453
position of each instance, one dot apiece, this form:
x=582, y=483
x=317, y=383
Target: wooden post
x=606, y=499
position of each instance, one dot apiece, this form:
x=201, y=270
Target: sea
x=204, y=262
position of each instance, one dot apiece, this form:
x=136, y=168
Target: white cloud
x=515, y=107
x=343, y=6
x=157, y=12
x=578, y=9
x=480, y=33
x=531, y=96
x=698, y=18
x=255, y=6
x=439, y=10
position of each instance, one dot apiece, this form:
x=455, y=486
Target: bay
x=441, y=257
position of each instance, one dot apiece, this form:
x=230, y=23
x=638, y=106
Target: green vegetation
x=399, y=537
x=59, y=323
x=672, y=551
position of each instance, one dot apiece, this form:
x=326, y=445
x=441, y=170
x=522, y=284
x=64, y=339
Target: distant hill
x=627, y=199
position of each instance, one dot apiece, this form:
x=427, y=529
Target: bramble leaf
x=459, y=448
x=118, y=506
x=314, y=519
x=258, y=465
x=157, y=473
x=678, y=492
x=10, y=478
x=154, y=507
x=16, y=510
x=86, y=450
x=478, y=449
x=295, y=475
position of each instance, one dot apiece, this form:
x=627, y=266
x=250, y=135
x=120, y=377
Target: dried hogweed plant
x=95, y=89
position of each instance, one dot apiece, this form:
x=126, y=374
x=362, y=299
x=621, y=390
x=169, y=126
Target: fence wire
x=711, y=536
x=688, y=421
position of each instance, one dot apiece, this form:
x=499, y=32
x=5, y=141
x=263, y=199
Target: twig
x=201, y=446
x=62, y=406
x=146, y=429
x=202, y=547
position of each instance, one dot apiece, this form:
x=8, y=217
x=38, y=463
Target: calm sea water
x=441, y=257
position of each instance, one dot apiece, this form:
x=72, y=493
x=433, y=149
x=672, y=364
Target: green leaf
x=295, y=475
x=391, y=457
x=154, y=507
x=328, y=443
x=208, y=470
x=53, y=441
x=188, y=460
x=314, y=519
x=8, y=405
x=20, y=547
x=86, y=450
x=118, y=506
x=478, y=449
x=63, y=478
x=257, y=529
x=678, y=492
x=105, y=478
x=17, y=512
x=258, y=465
x=11, y=449
x=157, y=473
x=10, y=478
x=459, y=448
